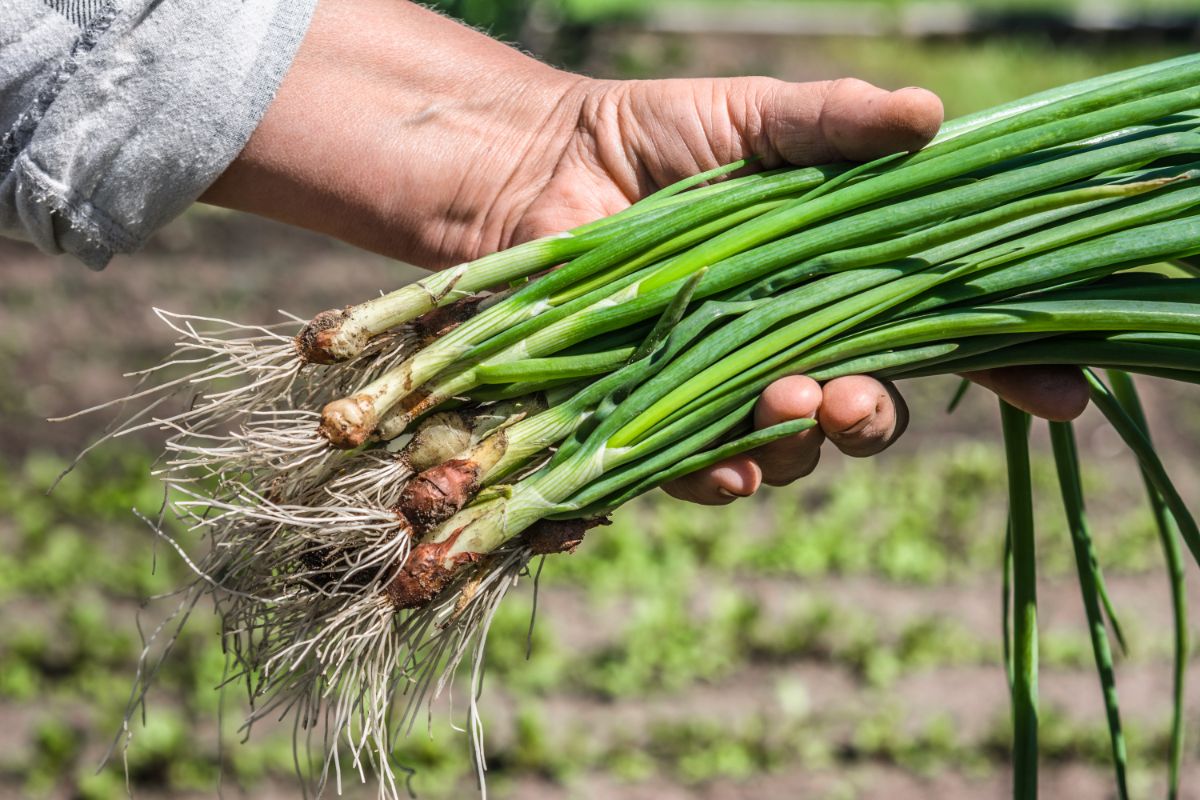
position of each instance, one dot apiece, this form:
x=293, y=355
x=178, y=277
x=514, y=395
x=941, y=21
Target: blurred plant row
x=508, y=18
x=75, y=567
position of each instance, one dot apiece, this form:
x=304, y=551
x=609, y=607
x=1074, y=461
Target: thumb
x=847, y=119
x=653, y=133
x=657, y=132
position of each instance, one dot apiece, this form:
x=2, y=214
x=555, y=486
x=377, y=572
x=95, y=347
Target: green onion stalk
x=630, y=308
x=658, y=424
x=1125, y=393
x=641, y=286
x=339, y=334
x=1024, y=670
x=1092, y=589
x=817, y=306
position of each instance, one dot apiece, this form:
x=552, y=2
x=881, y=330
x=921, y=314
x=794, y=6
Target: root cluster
x=306, y=549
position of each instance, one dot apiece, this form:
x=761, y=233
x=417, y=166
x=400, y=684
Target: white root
x=235, y=403
x=301, y=591
x=302, y=542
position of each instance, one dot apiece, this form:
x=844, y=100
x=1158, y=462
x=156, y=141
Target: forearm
x=375, y=134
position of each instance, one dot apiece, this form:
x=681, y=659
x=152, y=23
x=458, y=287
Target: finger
x=722, y=483
x=861, y=415
x=676, y=128
x=1051, y=392
x=791, y=458
x=863, y=122
x=847, y=119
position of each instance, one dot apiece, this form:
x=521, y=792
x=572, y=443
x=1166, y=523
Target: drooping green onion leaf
x=1025, y=634
x=1087, y=569
x=1125, y=393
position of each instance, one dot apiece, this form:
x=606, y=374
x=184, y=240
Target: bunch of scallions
x=372, y=486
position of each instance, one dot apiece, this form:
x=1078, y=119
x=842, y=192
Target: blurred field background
x=835, y=639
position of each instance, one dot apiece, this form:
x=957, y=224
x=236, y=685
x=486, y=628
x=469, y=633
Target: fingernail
x=721, y=490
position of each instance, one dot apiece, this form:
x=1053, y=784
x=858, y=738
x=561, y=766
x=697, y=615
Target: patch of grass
x=664, y=647
x=925, y=750
x=925, y=520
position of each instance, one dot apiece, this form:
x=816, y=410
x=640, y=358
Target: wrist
x=405, y=133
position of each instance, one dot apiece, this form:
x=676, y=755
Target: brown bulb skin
x=316, y=342
x=439, y=492
x=348, y=423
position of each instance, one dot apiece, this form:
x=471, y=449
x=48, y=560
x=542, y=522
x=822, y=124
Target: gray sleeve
x=115, y=115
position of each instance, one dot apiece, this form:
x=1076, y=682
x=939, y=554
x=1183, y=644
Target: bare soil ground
x=69, y=333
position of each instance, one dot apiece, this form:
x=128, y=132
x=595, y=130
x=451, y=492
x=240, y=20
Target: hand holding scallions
x=394, y=151
x=372, y=485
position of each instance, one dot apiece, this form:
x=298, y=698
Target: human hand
x=403, y=132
